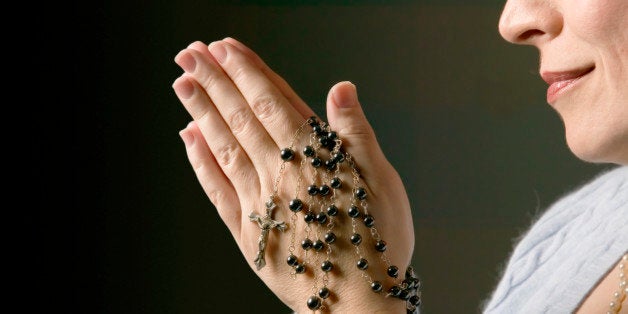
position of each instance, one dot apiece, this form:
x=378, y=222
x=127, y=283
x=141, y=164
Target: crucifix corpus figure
x=265, y=223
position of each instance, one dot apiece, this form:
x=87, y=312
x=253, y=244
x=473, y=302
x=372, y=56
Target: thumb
x=347, y=118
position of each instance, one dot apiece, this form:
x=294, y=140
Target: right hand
x=243, y=115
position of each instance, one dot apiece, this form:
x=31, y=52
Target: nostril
x=529, y=34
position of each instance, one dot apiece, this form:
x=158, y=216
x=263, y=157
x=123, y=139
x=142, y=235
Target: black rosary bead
x=394, y=291
x=312, y=190
x=324, y=190
x=363, y=264
x=336, y=183
x=332, y=135
x=319, y=130
x=331, y=145
x=327, y=266
x=338, y=157
x=354, y=211
x=316, y=128
x=314, y=303
x=318, y=245
x=324, y=293
x=332, y=210
x=312, y=121
x=309, y=151
x=316, y=162
x=324, y=140
x=330, y=165
x=356, y=239
x=376, y=286
x=416, y=282
x=292, y=260
x=321, y=218
x=369, y=221
x=415, y=300
x=306, y=244
x=408, y=283
x=330, y=237
x=393, y=271
x=287, y=154
x=404, y=294
x=360, y=193
x=380, y=246
x=309, y=217
x=410, y=272
x=300, y=268
x=295, y=205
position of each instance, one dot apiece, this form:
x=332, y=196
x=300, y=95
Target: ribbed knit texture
x=568, y=250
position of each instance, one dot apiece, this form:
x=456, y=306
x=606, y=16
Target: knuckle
x=227, y=155
x=216, y=196
x=238, y=120
x=208, y=81
x=198, y=165
x=239, y=75
x=264, y=106
x=357, y=131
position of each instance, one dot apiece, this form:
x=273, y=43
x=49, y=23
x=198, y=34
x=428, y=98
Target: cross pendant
x=265, y=223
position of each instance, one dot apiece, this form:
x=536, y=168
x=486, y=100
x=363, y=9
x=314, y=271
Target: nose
x=530, y=22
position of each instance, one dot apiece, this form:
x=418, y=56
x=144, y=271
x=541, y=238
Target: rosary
x=319, y=211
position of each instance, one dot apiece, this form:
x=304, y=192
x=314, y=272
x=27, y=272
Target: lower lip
x=558, y=88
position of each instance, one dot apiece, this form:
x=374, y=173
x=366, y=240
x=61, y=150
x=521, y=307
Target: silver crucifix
x=265, y=223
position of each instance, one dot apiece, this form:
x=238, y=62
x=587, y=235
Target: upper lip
x=553, y=77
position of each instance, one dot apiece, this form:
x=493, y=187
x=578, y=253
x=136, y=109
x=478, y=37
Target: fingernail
x=345, y=99
x=187, y=137
x=183, y=88
x=187, y=62
x=219, y=52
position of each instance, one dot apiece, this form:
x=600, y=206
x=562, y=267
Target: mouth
x=560, y=82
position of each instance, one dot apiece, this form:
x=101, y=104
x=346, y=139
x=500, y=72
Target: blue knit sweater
x=568, y=250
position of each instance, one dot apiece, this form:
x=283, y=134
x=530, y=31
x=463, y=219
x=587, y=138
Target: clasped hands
x=243, y=114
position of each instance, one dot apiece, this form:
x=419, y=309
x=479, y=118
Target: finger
x=201, y=47
x=213, y=181
x=226, y=101
x=228, y=153
x=348, y=120
x=271, y=108
x=292, y=97
x=281, y=84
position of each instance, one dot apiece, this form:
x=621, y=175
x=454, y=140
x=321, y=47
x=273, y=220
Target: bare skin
x=244, y=114
x=600, y=297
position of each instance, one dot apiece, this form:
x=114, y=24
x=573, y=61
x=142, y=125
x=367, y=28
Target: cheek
x=602, y=22
x=596, y=130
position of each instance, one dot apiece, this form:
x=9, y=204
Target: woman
x=244, y=114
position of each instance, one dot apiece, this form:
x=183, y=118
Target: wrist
x=353, y=294
x=358, y=299
x=362, y=299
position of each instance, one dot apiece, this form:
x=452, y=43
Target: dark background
x=459, y=112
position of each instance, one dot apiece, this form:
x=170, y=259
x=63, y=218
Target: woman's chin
x=598, y=148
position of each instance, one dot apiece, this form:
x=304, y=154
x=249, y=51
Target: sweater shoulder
x=593, y=218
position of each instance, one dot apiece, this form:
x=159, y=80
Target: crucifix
x=265, y=223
